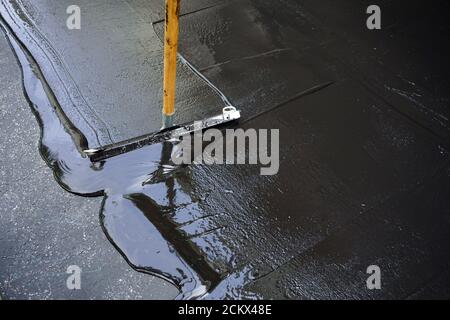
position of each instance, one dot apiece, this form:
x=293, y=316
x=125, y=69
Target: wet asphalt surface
x=363, y=118
x=44, y=229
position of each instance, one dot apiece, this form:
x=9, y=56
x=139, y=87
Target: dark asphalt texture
x=119, y=70
x=44, y=229
x=364, y=123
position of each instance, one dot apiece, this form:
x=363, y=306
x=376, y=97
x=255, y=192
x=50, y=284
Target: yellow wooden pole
x=170, y=60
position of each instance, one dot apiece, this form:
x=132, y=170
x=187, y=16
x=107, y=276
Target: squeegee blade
x=229, y=114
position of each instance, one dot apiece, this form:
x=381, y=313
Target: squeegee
x=168, y=130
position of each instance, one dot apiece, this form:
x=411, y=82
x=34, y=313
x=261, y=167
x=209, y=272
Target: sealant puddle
x=146, y=197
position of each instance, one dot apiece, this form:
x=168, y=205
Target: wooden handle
x=170, y=55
